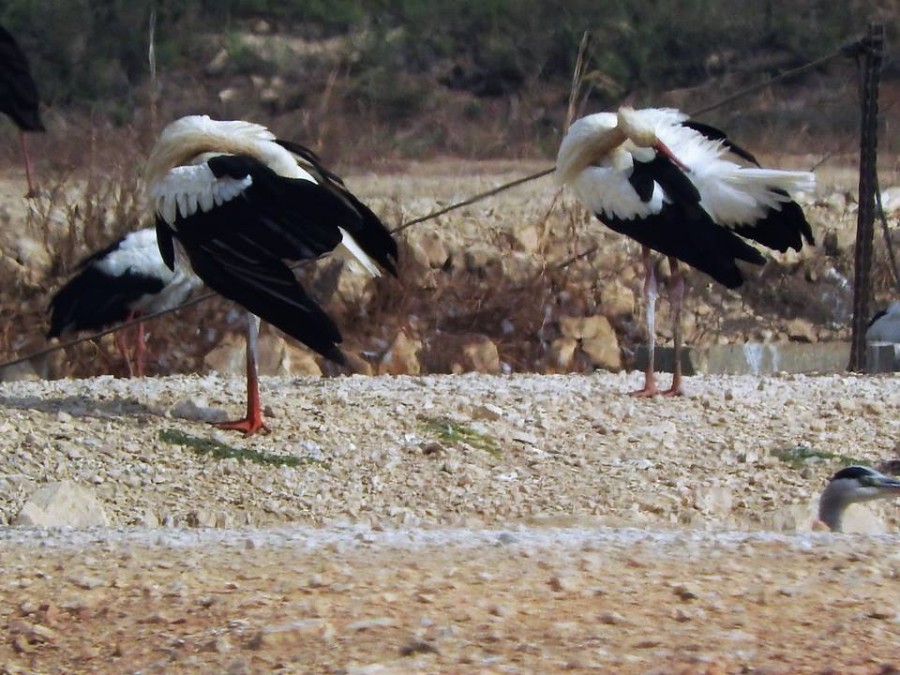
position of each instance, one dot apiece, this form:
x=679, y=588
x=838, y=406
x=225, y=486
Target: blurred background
x=374, y=80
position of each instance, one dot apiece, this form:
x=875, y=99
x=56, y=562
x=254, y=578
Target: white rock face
x=63, y=504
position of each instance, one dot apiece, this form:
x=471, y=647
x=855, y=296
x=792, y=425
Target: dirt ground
x=562, y=526
x=511, y=601
x=453, y=524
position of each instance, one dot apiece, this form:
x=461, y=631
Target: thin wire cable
x=846, y=50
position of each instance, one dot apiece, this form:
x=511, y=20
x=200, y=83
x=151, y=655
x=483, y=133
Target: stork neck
x=588, y=153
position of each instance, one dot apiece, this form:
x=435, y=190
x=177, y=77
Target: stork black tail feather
x=285, y=305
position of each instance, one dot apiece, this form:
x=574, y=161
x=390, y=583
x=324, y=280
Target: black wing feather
x=682, y=229
x=714, y=134
x=93, y=300
x=781, y=229
x=18, y=93
x=367, y=229
x=239, y=247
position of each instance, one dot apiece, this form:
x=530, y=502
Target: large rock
x=479, y=355
x=617, y=299
x=427, y=248
x=562, y=352
x=801, y=330
x=596, y=338
x=402, y=357
x=276, y=356
x=461, y=353
x=63, y=504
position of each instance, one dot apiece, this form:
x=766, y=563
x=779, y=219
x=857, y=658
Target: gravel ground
x=450, y=524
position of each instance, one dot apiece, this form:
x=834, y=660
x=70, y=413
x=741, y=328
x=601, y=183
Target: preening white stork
x=683, y=189
x=850, y=485
x=885, y=325
x=233, y=202
x=19, y=96
x=126, y=279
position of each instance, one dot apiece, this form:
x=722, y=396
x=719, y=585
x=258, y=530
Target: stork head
x=641, y=132
x=586, y=143
x=850, y=485
x=196, y=136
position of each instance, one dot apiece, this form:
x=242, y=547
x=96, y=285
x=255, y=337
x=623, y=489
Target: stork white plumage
x=851, y=485
x=683, y=189
x=234, y=203
x=126, y=279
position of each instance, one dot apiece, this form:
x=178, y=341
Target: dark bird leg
x=32, y=192
x=253, y=422
x=650, y=293
x=676, y=298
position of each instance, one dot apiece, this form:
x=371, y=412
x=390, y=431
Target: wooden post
x=865, y=223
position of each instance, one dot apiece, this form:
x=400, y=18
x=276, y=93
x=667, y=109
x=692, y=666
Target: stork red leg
x=676, y=298
x=140, y=351
x=253, y=422
x=650, y=293
x=28, y=172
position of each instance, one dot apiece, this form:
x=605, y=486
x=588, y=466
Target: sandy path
x=561, y=525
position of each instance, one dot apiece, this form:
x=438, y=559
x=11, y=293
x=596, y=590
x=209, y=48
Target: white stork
x=19, y=95
x=683, y=189
x=126, y=279
x=234, y=203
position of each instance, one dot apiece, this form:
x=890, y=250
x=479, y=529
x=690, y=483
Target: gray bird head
x=850, y=485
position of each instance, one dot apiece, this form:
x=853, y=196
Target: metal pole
x=865, y=224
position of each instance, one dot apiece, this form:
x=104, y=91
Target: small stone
x=685, y=592
x=369, y=624
x=562, y=583
x=611, y=618
x=418, y=647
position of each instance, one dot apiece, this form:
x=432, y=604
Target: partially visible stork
x=19, y=96
x=125, y=280
x=851, y=485
x=234, y=203
x=683, y=189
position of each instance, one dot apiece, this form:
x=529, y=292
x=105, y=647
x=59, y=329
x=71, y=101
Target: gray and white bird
x=124, y=280
x=235, y=204
x=851, y=485
x=885, y=325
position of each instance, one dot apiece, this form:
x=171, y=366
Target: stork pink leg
x=140, y=351
x=253, y=422
x=650, y=293
x=676, y=298
x=32, y=192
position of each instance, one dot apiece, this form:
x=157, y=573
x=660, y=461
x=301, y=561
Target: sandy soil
x=557, y=524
